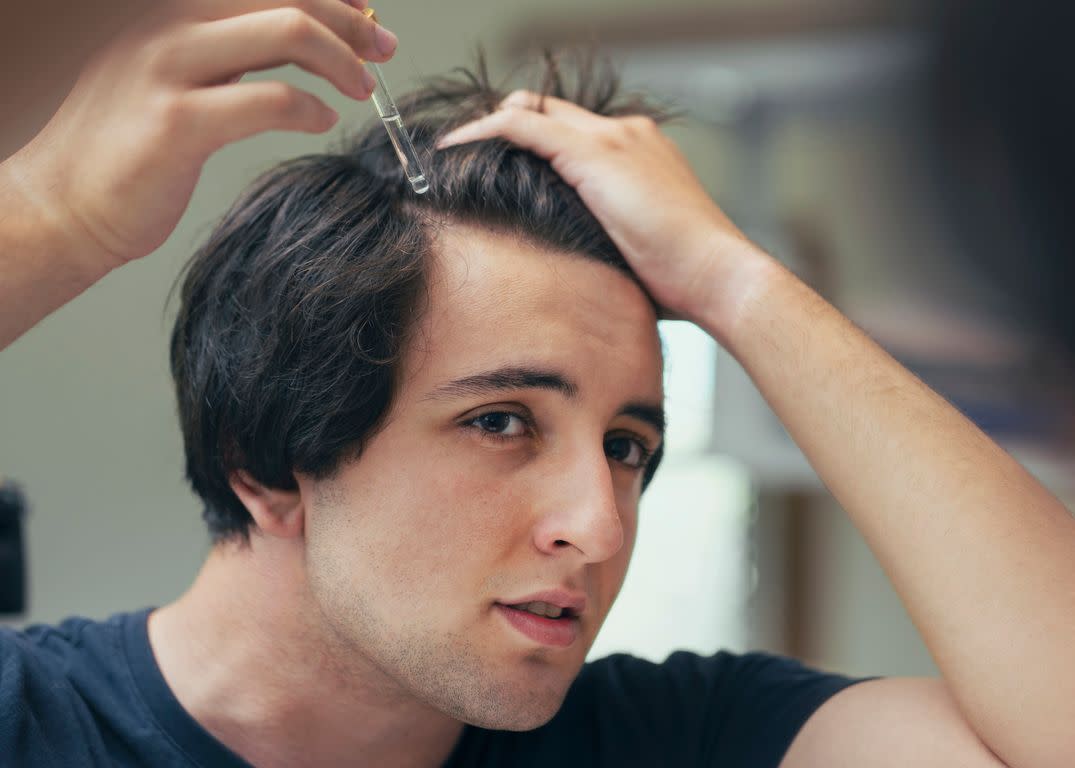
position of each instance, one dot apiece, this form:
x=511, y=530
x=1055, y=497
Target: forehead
x=496, y=299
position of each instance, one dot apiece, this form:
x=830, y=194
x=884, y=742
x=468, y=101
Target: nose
x=580, y=511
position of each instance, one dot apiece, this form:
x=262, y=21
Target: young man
x=417, y=423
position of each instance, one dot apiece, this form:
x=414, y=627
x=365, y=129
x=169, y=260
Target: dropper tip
x=420, y=185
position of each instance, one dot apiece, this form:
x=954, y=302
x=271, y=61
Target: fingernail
x=386, y=41
x=360, y=4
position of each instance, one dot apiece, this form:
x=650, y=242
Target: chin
x=529, y=715
x=509, y=706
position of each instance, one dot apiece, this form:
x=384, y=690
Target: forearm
x=982, y=555
x=41, y=266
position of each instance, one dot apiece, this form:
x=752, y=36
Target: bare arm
x=41, y=268
x=108, y=178
x=890, y=723
x=981, y=554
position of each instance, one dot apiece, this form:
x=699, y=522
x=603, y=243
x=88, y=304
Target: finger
x=227, y=113
x=541, y=134
x=218, y=50
x=366, y=38
x=561, y=109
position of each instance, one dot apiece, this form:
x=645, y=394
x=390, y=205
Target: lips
x=573, y=603
x=558, y=633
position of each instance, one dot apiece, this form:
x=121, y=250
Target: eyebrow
x=516, y=377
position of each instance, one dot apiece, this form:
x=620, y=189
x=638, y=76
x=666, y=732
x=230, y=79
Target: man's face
x=484, y=492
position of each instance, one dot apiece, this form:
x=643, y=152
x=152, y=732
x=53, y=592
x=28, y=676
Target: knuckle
x=520, y=97
x=282, y=98
x=497, y=120
x=296, y=26
x=173, y=113
x=158, y=56
x=615, y=137
x=527, y=119
x=640, y=124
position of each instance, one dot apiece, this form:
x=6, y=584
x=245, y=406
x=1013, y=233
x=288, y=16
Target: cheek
x=480, y=512
x=449, y=524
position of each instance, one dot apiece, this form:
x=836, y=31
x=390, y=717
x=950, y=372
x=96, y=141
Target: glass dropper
x=401, y=140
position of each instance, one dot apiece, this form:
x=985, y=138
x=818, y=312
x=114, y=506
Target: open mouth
x=561, y=629
x=545, y=610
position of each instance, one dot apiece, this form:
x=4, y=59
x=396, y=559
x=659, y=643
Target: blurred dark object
x=12, y=559
x=1001, y=106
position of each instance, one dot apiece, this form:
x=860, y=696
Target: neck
x=246, y=653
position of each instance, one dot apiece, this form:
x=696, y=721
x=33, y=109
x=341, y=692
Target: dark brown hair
x=296, y=311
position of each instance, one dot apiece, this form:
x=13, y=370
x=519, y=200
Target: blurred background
x=803, y=118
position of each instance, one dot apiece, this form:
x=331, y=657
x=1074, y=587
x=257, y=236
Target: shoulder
x=890, y=723
x=65, y=650
x=53, y=681
x=728, y=708
x=757, y=678
x=39, y=651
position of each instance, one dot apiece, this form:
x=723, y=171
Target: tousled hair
x=295, y=313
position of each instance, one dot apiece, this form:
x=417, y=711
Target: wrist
x=37, y=227
x=739, y=275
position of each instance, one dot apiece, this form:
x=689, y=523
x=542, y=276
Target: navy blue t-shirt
x=89, y=693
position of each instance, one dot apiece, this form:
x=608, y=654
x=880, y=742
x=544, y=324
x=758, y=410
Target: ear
x=276, y=512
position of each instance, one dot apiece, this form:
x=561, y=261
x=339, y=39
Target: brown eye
x=627, y=450
x=500, y=423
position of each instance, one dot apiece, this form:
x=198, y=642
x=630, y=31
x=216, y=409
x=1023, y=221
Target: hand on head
x=637, y=183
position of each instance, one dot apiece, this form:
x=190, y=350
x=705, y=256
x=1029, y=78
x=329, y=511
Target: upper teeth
x=541, y=609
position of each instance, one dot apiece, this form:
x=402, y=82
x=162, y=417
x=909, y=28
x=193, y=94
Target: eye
x=501, y=424
x=628, y=450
